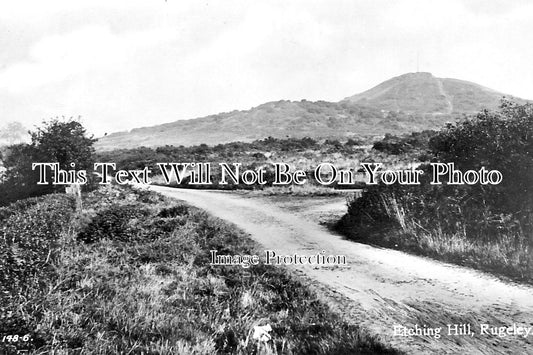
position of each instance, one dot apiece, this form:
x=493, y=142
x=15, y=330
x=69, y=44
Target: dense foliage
x=303, y=153
x=116, y=222
x=497, y=140
x=470, y=214
x=29, y=246
x=415, y=142
x=64, y=142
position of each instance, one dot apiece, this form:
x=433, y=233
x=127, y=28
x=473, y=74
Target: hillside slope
x=424, y=93
x=407, y=103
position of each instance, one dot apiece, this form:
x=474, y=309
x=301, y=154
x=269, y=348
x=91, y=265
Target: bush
x=29, y=245
x=498, y=215
x=62, y=142
x=171, y=212
x=417, y=142
x=115, y=223
x=497, y=140
x=30, y=232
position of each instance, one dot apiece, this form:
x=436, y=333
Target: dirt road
x=382, y=288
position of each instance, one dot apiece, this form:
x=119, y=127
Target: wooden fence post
x=75, y=189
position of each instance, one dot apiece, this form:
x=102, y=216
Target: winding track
x=380, y=288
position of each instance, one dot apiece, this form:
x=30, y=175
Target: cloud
x=57, y=57
x=124, y=64
x=495, y=7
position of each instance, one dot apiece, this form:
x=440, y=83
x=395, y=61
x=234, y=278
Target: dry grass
x=307, y=189
x=152, y=291
x=508, y=255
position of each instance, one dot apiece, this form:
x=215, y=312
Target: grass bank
x=387, y=219
x=130, y=273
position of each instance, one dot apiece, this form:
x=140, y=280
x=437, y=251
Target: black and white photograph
x=266, y=177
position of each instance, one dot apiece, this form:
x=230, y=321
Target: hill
x=410, y=102
x=423, y=93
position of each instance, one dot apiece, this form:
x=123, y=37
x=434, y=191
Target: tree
x=19, y=179
x=64, y=142
x=57, y=141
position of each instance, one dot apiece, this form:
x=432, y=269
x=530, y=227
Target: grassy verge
x=131, y=274
x=388, y=222
x=29, y=252
x=297, y=190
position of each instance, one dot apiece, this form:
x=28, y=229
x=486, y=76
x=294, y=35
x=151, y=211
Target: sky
x=125, y=64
